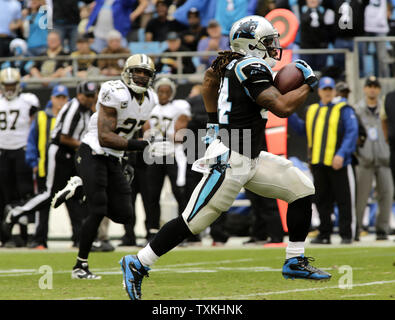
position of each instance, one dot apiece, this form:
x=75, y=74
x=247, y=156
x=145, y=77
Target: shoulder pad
x=183, y=105
x=252, y=67
x=112, y=93
x=31, y=99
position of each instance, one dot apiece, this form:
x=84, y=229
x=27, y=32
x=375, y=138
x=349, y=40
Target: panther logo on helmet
x=138, y=62
x=246, y=30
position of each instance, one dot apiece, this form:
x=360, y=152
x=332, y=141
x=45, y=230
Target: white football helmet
x=10, y=79
x=166, y=81
x=18, y=47
x=136, y=83
x=256, y=36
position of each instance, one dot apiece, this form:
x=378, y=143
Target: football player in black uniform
x=238, y=115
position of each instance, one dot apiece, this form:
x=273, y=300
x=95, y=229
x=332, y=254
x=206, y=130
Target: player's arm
x=179, y=126
x=107, y=124
x=384, y=124
x=259, y=84
x=69, y=141
x=210, y=92
x=283, y=105
x=384, y=120
x=210, y=89
x=146, y=126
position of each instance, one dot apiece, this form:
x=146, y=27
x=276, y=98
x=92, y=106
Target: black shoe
x=10, y=244
x=254, y=240
x=83, y=272
x=381, y=236
x=346, y=241
x=102, y=246
x=67, y=192
x=37, y=245
x=321, y=240
x=127, y=243
x=194, y=238
x=75, y=244
x=273, y=241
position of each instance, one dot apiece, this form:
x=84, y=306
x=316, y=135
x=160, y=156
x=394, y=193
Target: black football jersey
x=242, y=121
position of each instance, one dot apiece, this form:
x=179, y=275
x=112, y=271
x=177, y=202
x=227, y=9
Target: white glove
x=161, y=148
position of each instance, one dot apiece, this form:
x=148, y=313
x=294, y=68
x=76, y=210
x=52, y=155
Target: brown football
x=288, y=78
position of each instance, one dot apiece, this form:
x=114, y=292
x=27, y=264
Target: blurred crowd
x=87, y=28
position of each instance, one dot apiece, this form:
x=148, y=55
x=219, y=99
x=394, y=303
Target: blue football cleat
x=133, y=274
x=299, y=268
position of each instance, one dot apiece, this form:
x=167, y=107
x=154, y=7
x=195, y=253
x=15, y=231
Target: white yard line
x=291, y=291
x=359, y=295
x=87, y=298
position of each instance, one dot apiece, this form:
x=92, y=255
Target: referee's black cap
x=87, y=88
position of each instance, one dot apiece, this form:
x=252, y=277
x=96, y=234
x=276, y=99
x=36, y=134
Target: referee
x=332, y=133
x=71, y=124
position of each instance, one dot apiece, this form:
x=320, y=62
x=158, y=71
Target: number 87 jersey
x=15, y=117
x=131, y=113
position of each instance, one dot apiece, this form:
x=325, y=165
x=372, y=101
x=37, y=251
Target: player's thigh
x=276, y=177
x=213, y=195
x=7, y=181
x=119, y=195
x=24, y=174
x=93, y=172
x=155, y=179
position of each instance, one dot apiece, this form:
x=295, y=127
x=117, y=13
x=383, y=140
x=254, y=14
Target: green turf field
x=206, y=273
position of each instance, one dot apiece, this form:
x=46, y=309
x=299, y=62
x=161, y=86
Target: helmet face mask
x=271, y=45
x=138, y=73
x=141, y=77
x=10, y=83
x=256, y=36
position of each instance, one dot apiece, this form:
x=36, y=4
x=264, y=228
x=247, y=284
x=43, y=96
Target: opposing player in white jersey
x=71, y=123
x=168, y=117
x=122, y=108
x=16, y=110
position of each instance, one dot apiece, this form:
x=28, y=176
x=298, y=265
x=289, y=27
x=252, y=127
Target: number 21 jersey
x=131, y=115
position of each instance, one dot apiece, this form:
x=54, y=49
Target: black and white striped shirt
x=72, y=121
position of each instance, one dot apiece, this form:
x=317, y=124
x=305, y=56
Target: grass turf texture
x=220, y=274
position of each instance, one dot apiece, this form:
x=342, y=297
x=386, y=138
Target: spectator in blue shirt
x=35, y=28
x=214, y=42
x=332, y=134
x=108, y=15
x=228, y=12
x=10, y=21
x=206, y=10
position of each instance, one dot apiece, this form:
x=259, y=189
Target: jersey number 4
x=224, y=106
x=3, y=119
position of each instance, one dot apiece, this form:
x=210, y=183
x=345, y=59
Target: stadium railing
x=383, y=60
x=352, y=61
